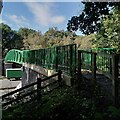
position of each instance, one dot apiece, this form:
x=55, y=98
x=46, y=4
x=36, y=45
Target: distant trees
x=32, y=39
x=58, y=37
x=26, y=38
x=10, y=38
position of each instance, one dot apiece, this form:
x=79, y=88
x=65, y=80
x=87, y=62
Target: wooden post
x=94, y=67
x=38, y=88
x=115, y=82
x=79, y=64
x=59, y=77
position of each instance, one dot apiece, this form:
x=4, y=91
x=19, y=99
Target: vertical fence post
x=59, y=77
x=71, y=60
x=38, y=88
x=115, y=83
x=44, y=58
x=56, y=58
x=79, y=64
x=75, y=60
x=94, y=67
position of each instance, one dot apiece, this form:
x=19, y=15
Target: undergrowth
x=83, y=101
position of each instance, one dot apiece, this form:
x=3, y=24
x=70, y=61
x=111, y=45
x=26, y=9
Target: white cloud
x=57, y=19
x=20, y=21
x=43, y=13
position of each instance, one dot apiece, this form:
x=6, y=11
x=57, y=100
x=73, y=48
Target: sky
x=40, y=15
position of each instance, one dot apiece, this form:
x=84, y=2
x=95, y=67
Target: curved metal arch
x=14, y=55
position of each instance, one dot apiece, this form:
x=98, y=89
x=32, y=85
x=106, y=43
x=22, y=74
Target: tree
x=24, y=32
x=109, y=34
x=10, y=38
x=53, y=36
x=34, y=41
x=89, y=20
x=58, y=37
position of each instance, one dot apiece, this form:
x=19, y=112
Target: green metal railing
x=103, y=59
x=58, y=58
x=86, y=59
x=104, y=50
x=14, y=56
x=67, y=58
x=62, y=58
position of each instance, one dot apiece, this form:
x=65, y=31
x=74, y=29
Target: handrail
x=9, y=102
x=18, y=90
x=27, y=86
x=39, y=88
x=48, y=58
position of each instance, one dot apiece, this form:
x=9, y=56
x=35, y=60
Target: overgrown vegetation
x=81, y=102
x=109, y=33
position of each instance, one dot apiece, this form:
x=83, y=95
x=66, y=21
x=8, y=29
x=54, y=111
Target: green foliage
x=30, y=39
x=102, y=18
x=110, y=113
x=89, y=20
x=60, y=104
x=81, y=102
x=24, y=32
x=10, y=39
x=55, y=37
x=109, y=34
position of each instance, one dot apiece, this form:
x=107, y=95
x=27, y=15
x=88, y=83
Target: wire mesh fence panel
x=104, y=58
x=86, y=60
x=104, y=63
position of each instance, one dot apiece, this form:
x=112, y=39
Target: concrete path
x=8, y=85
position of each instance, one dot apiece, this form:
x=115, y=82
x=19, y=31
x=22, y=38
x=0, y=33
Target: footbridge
x=45, y=62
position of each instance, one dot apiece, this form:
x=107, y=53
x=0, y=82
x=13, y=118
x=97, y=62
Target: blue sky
x=39, y=15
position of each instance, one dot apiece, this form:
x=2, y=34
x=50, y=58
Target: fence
x=58, y=58
x=66, y=59
x=108, y=64
x=22, y=94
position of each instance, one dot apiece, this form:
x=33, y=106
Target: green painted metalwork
x=58, y=58
x=104, y=50
x=61, y=58
x=14, y=56
x=14, y=73
x=103, y=61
